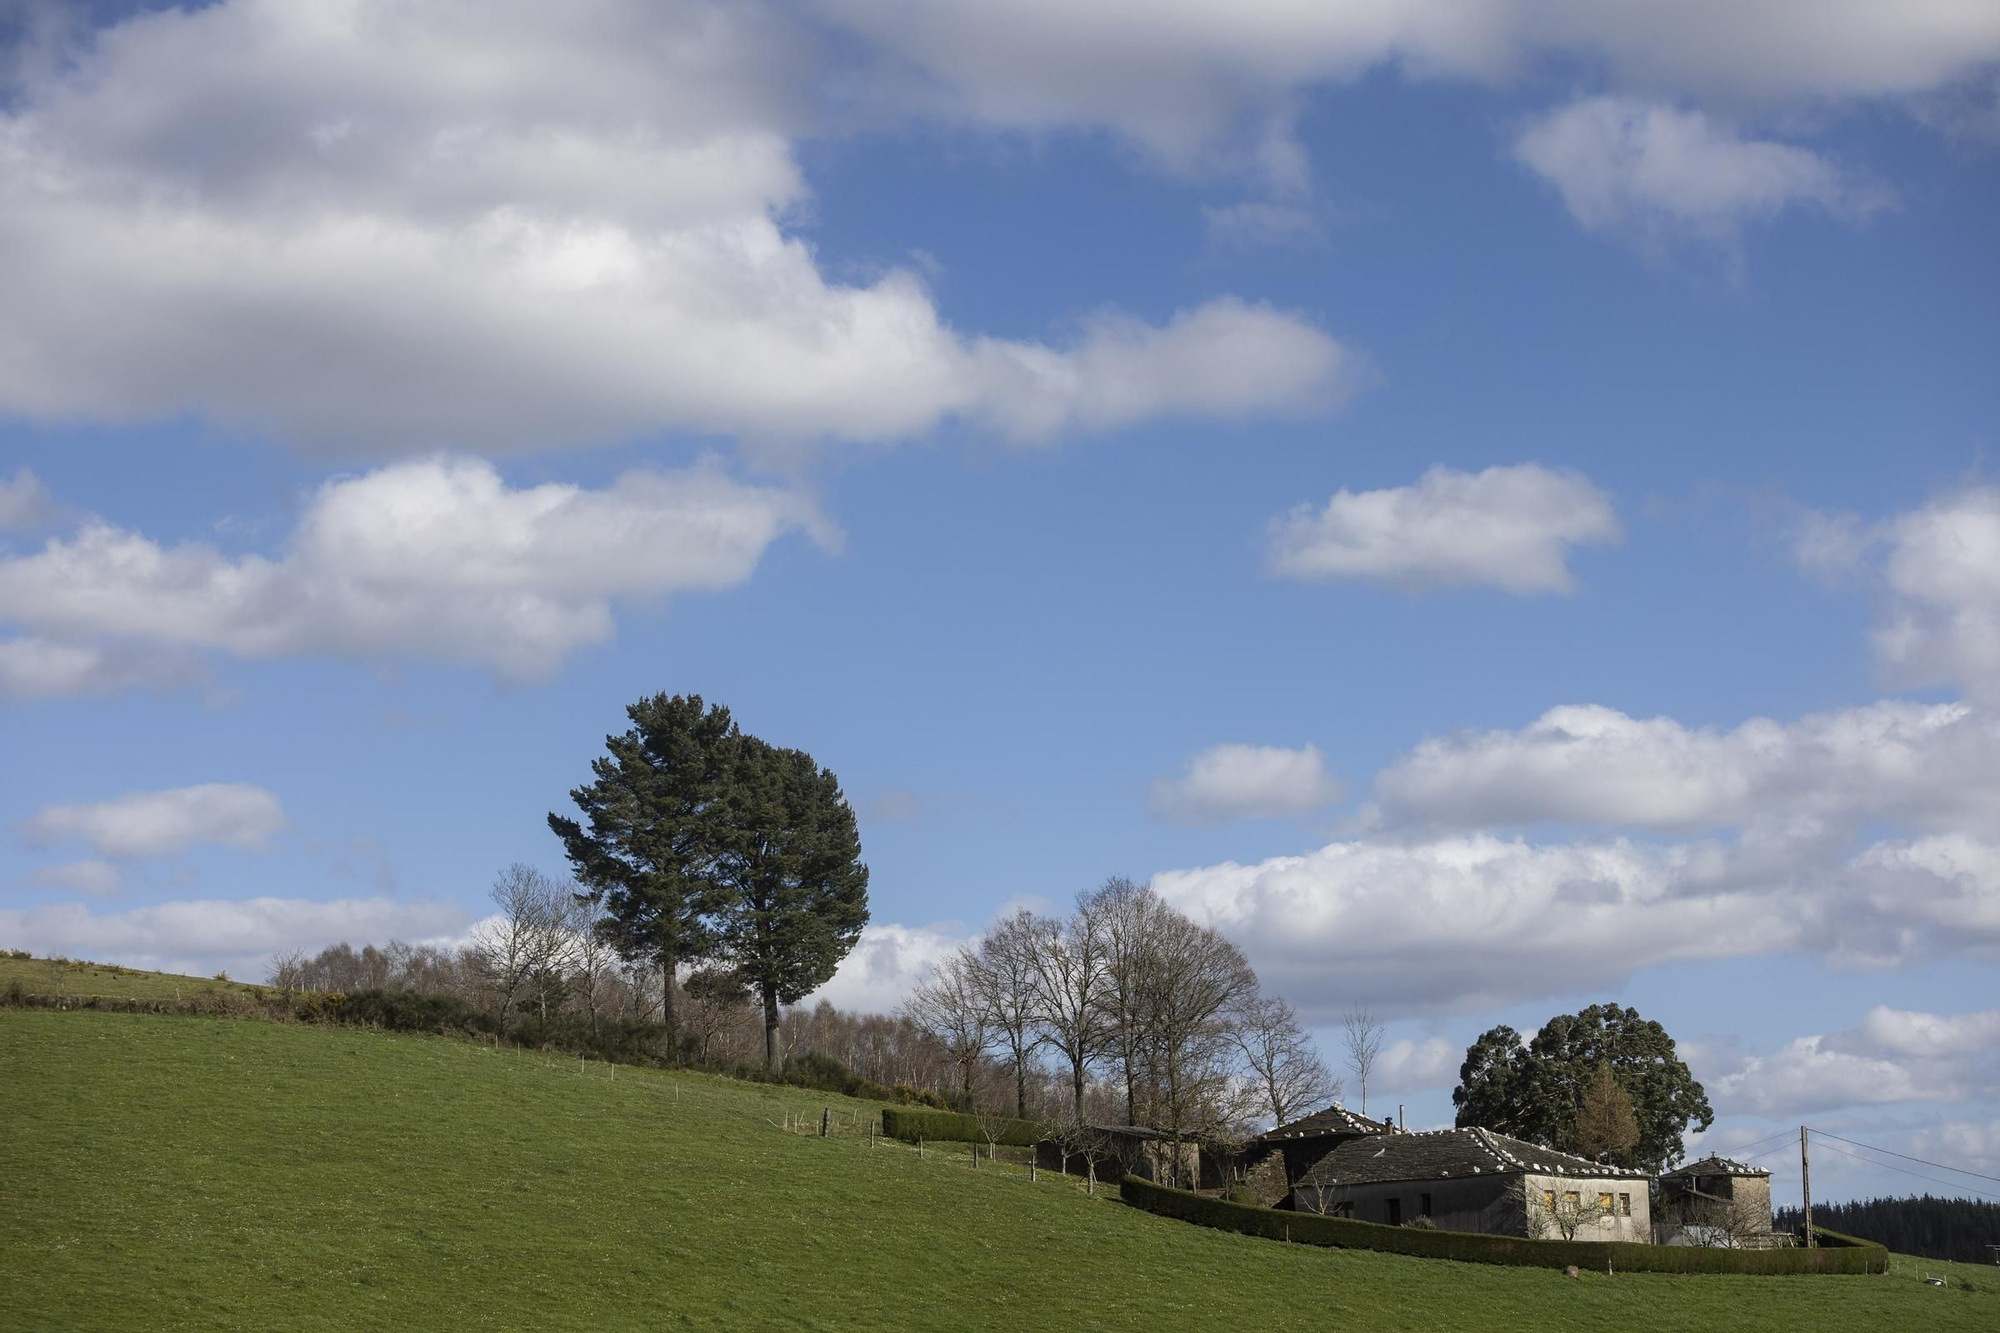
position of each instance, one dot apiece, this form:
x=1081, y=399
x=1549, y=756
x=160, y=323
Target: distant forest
x=1958, y=1229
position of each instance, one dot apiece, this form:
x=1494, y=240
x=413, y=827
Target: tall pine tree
x=701, y=840
x=794, y=893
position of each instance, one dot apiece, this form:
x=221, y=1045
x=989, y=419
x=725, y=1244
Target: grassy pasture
x=61, y=976
x=165, y=1172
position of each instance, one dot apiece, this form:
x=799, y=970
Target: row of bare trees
x=1129, y=992
x=544, y=953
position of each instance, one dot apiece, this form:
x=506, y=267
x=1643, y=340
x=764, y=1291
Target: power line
x=1783, y=1147
x=1906, y=1157
x=1889, y=1166
x=1781, y=1134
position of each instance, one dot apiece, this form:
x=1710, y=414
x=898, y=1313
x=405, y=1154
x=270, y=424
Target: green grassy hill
x=64, y=976
x=169, y=1172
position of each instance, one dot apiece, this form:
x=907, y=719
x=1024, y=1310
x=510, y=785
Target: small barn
x=1124, y=1150
x=1716, y=1201
x=1477, y=1180
x=1270, y=1163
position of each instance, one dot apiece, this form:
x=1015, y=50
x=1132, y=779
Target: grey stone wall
x=1488, y=1204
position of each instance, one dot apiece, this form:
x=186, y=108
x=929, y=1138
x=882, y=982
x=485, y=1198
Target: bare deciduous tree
x=1004, y=978
x=528, y=941
x=1193, y=984
x=1069, y=961
x=592, y=953
x=1557, y=1206
x=713, y=998
x=1128, y=918
x=1289, y=1077
x=1361, y=1035
x=947, y=1005
x=287, y=971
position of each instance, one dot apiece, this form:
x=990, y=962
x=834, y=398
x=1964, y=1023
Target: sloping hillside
x=202, y=1173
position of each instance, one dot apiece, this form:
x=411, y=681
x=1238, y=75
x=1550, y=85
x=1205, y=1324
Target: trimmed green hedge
x=911, y=1124
x=1836, y=1253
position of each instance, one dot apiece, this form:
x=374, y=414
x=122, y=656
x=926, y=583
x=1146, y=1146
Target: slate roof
x=1449, y=1154
x=1335, y=1119
x=1713, y=1165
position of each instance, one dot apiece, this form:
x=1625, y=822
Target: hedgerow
x=1836, y=1253
x=952, y=1127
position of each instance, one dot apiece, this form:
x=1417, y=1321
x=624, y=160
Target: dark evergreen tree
x=655, y=833
x=700, y=840
x=794, y=893
x=1959, y=1230
x=1535, y=1091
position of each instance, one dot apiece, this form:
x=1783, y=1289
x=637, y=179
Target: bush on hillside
x=955, y=1127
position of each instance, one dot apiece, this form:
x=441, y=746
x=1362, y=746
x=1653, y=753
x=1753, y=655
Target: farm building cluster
x=1340, y=1164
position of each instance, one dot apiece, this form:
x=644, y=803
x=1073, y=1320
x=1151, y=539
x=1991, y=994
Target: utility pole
x=1805, y=1182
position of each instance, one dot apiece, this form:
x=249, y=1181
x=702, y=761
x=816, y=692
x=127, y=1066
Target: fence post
x=825, y=1112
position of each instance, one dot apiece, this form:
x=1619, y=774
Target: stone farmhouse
x=1717, y=1201
x=1477, y=1180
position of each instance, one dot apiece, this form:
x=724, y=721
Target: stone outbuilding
x=1716, y=1201
x=1477, y=1180
x=1302, y=1143
x=1124, y=1150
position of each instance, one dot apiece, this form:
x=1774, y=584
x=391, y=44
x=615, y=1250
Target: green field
x=62, y=976
x=166, y=1171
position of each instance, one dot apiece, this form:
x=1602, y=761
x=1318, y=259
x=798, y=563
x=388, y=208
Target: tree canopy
x=702, y=841
x=1539, y=1090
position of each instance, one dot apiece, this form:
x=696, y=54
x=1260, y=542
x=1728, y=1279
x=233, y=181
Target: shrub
x=1421, y=1222
x=18, y=953
x=1836, y=1253
x=953, y=1127
x=817, y=1069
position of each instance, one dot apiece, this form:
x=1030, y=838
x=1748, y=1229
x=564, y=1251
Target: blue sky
x=1490, y=508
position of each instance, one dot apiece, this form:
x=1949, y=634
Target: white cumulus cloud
x=1407, y=1065
x=435, y=559
x=1226, y=782
x=98, y=879
x=1197, y=85
x=199, y=937
x=1453, y=922
x=1894, y=1055
x=1658, y=172
x=400, y=227
x=156, y=823
x=1936, y=572
x=1505, y=527
x=886, y=964
x=36, y=668
x=1936, y=766
x=24, y=501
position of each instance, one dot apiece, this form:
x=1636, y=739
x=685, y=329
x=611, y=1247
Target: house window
x=1572, y=1200
x=1624, y=1205
x=1395, y=1207
x=1425, y=1199
x=1549, y=1200
x=1604, y=1203
x=1345, y=1208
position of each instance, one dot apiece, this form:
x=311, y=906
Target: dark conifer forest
x=1957, y=1229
